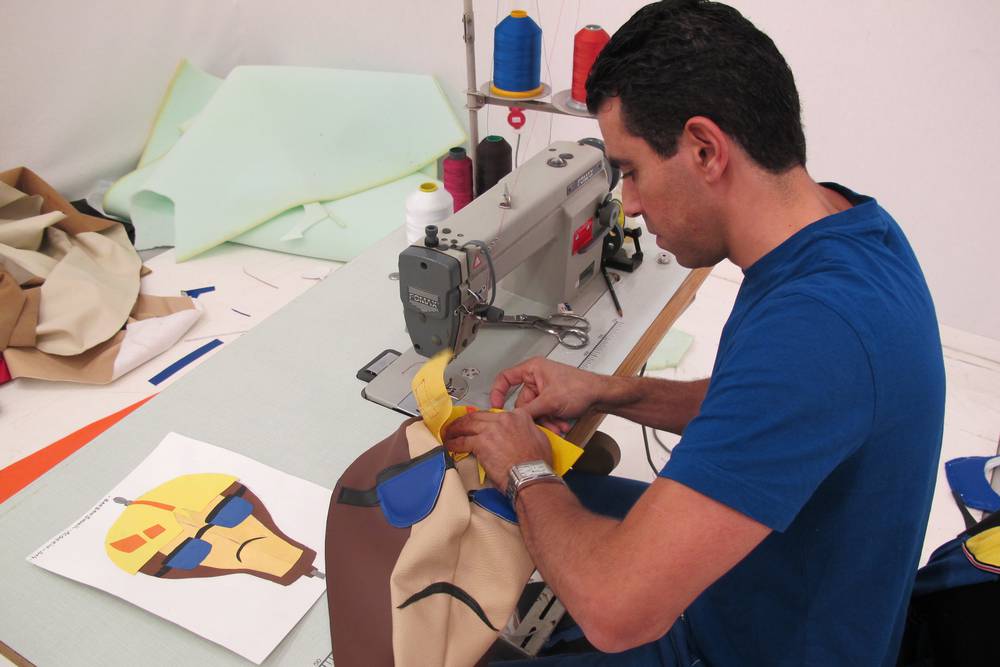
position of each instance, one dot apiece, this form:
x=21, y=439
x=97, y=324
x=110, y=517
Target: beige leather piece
x=468, y=472
x=147, y=306
x=18, y=313
x=68, y=284
x=89, y=272
x=95, y=366
x=27, y=233
x=87, y=297
x=22, y=233
x=459, y=543
x=20, y=208
x=10, y=195
x=23, y=334
x=11, y=303
x=25, y=265
x=25, y=207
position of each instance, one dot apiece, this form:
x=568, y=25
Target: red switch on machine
x=583, y=235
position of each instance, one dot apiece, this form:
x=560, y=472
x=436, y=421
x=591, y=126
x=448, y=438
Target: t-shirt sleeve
x=791, y=398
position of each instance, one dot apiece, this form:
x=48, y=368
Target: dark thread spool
x=494, y=161
x=458, y=177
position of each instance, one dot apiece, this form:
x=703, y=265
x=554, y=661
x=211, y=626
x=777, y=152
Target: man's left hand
x=499, y=440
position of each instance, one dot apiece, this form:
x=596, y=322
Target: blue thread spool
x=517, y=57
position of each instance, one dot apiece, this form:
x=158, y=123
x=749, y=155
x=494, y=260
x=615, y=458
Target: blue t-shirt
x=822, y=421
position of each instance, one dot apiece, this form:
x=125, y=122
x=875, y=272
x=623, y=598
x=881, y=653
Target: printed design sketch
x=205, y=525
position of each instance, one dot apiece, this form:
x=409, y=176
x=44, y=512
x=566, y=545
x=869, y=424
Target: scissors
x=571, y=330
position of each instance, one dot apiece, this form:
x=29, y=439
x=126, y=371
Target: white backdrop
x=900, y=97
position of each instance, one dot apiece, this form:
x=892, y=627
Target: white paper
x=246, y=614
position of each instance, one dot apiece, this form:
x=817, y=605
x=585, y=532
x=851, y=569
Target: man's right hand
x=551, y=393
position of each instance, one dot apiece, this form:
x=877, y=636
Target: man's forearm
x=661, y=404
x=568, y=545
x=581, y=555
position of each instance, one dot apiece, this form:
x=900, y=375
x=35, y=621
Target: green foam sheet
x=346, y=226
x=189, y=91
x=275, y=138
x=670, y=351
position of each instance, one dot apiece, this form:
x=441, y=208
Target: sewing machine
x=512, y=257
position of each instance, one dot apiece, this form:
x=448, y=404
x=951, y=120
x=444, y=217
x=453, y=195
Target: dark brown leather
x=601, y=455
x=361, y=552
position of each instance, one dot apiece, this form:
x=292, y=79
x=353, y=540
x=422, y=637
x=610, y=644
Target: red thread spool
x=587, y=46
x=458, y=177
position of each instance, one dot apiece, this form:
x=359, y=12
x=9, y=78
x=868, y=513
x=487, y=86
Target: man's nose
x=630, y=200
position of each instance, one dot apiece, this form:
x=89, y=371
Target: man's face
x=666, y=192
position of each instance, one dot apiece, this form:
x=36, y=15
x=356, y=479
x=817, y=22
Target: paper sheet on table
x=438, y=411
x=182, y=486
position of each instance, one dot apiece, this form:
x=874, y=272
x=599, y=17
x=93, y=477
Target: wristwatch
x=526, y=474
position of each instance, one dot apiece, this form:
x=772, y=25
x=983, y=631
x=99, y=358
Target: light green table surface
x=284, y=394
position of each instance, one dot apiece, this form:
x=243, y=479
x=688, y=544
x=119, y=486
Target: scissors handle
x=574, y=339
x=570, y=330
x=568, y=321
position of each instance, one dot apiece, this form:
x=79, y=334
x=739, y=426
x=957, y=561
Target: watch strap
x=536, y=480
x=517, y=481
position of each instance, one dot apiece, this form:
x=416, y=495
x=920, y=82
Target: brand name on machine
x=580, y=182
x=423, y=300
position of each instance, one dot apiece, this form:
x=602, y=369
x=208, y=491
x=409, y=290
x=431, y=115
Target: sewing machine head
x=539, y=231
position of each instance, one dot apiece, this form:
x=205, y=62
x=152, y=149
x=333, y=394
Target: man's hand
x=499, y=440
x=551, y=393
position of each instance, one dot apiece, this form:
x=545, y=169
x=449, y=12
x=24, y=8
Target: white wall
x=899, y=96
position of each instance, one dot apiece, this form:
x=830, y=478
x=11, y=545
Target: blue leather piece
x=409, y=496
x=495, y=503
x=967, y=478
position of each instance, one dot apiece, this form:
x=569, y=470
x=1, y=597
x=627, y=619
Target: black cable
x=656, y=436
x=489, y=263
x=645, y=438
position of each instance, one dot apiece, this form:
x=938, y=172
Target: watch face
x=533, y=469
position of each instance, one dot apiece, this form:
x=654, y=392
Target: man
x=788, y=523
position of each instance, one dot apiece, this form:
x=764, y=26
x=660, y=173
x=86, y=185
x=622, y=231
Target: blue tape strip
x=195, y=293
x=184, y=361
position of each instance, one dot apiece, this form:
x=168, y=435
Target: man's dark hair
x=681, y=58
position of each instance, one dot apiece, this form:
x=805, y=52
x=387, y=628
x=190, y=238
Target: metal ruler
x=595, y=354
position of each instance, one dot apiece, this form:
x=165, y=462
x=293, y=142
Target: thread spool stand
x=476, y=98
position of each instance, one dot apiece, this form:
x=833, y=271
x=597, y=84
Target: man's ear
x=708, y=147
